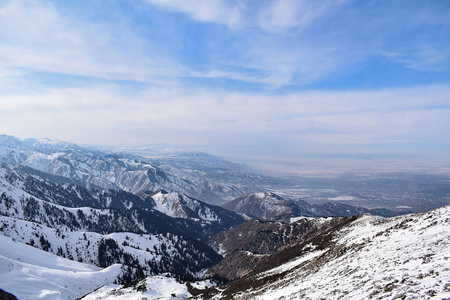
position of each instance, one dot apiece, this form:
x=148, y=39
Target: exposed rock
x=256, y=246
x=6, y=296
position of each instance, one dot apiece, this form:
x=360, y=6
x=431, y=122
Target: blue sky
x=284, y=85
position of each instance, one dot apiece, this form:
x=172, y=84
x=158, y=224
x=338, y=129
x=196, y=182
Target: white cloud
x=295, y=132
x=172, y=116
x=229, y=13
x=424, y=57
x=285, y=14
x=267, y=15
x=37, y=37
x=285, y=42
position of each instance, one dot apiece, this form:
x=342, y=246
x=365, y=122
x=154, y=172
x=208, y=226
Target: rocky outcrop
x=257, y=246
x=6, y=296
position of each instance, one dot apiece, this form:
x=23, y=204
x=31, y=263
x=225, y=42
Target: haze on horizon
x=288, y=85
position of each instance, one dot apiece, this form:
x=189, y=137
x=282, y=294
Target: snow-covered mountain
x=117, y=228
x=32, y=198
x=30, y=273
x=264, y=206
x=143, y=254
x=178, y=205
x=271, y=206
x=95, y=168
x=405, y=257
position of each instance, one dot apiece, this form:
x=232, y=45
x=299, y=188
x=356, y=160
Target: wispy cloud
x=303, y=42
x=425, y=58
x=270, y=39
x=38, y=37
x=266, y=15
x=230, y=13
x=268, y=43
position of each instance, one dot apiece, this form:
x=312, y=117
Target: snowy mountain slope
x=151, y=288
x=256, y=246
x=72, y=195
x=145, y=253
x=264, y=206
x=404, y=257
x=58, y=229
x=98, y=169
x=17, y=203
x=30, y=273
x=182, y=206
x=69, y=205
x=271, y=206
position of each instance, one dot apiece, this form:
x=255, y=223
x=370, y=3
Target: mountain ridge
x=270, y=206
x=361, y=258
x=91, y=167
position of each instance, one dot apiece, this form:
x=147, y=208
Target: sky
x=283, y=85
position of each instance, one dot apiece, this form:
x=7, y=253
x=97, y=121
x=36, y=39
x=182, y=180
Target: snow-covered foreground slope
x=406, y=257
x=151, y=288
x=145, y=253
x=30, y=273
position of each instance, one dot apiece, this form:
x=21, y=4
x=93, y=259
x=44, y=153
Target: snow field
x=406, y=256
x=30, y=273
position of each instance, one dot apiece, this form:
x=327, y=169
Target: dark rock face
x=257, y=246
x=6, y=296
x=260, y=237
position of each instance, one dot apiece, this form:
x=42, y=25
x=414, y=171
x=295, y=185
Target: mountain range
x=92, y=167
x=99, y=217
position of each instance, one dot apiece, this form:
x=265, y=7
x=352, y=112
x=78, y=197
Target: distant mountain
x=95, y=168
x=359, y=257
x=29, y=197
x=178, y=205
x=270, y=206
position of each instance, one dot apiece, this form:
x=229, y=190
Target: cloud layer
x=275, y=79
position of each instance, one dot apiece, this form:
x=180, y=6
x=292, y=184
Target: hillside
x=29, y=273
x=270, y=206
x=405, y=257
